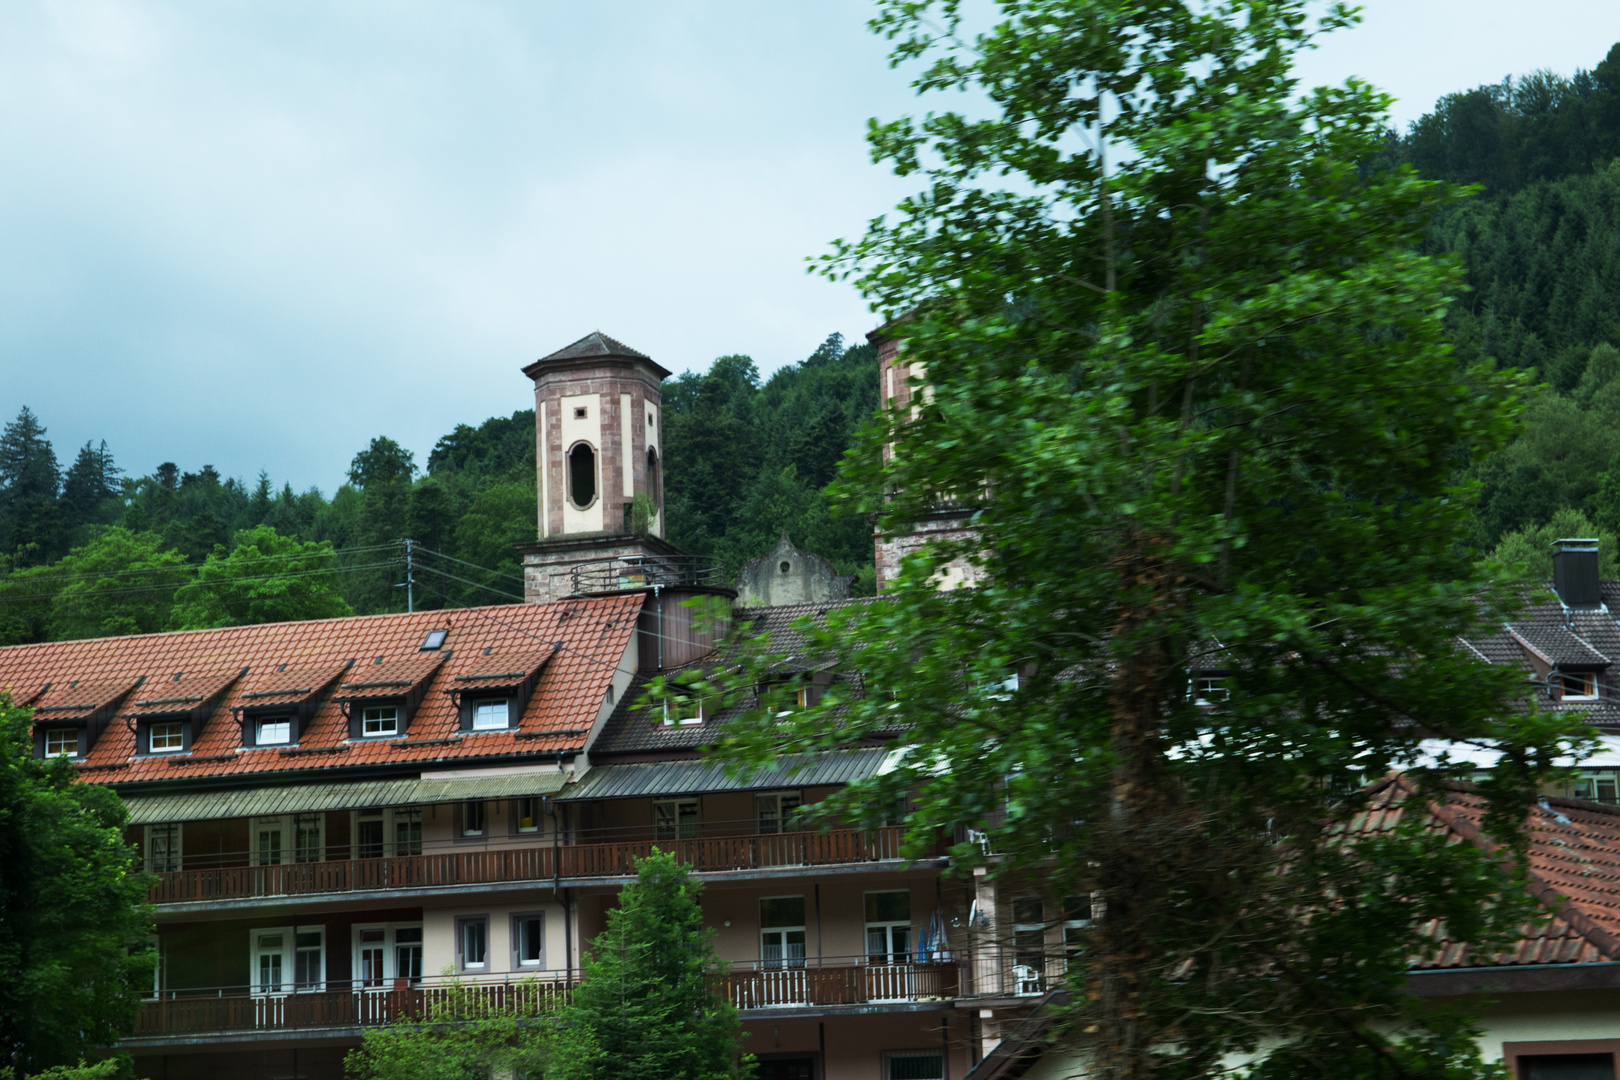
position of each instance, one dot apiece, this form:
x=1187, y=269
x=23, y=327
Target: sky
x=256, y=235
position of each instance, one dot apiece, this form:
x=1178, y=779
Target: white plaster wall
x=587, y=428
x=439, y=941
x=627, y=445
x=545, y=470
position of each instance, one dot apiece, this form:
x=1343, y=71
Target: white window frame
x=675, y=828
x=516, y=940
x=485, y=713
x=675, y=710
x=287, y=957
x=390, y=946
x=1589, y=682
x=1597, y=785
x=57, y=733
x=1209, y=689
x=294, y=844
x=174, y=848
x=392, y=732
x=391, y=819
x=787, y=959
x=463, y=922
x=887, y=927
x=284, y=720
x=319, y=982
x=517, y=814
x=1034, y=984
x=462, y=830
x=172, y=729
x=262, y=854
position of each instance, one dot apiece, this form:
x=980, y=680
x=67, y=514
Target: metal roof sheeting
x=700, y=777
x=315, y=798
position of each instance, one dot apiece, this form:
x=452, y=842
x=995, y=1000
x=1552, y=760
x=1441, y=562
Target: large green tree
x=1189, y=373
x=265, y=577
x=644, y=1006
x=73, y=911
x=462, y=1035
x=30, y=479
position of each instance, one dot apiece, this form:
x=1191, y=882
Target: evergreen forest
x=89, y=549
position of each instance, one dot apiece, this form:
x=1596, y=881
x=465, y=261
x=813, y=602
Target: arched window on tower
x=653, y=491
x=582, y=475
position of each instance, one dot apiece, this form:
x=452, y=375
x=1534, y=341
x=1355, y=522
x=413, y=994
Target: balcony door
x=286, y=959
x=384, y=953
x=781, y=932
x=888, y=927
x=287, y=838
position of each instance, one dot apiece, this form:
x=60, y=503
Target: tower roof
x=594, y=346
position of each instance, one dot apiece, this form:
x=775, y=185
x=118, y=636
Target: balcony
x=647, y=571
x=538, y=864
x=230, y=1014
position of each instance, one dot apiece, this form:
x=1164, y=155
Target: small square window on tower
x=579, y=412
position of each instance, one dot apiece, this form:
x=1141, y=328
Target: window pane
x=271, y=732
x=165, y=737
x=473, y=939
x=369, y=838
x=1567, y=1067
x=488, y=715
x=62, y=742
x=472, y=819
x=888, y=906
x=380, y=720
x=307, y=838
x=528, y=815
x=782, y=911
x=407, y=832
x=529, y=941
x=1028, y=910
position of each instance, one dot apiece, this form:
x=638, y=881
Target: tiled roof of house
x=640, y=731
x=1546, y=636
x=1574, y=870
x=371, y=649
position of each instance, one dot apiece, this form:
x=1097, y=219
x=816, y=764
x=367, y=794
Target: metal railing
x=646, y=571
x=538, y=863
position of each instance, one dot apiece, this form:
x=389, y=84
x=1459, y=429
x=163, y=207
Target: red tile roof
x=593, y=633
x=1574, y=870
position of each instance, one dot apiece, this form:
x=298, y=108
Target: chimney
x=1575, y=572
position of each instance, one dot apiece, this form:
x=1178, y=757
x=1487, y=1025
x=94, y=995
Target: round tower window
x=786, y=566
x=582, y=475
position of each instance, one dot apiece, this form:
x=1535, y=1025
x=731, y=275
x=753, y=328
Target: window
x=582, y=475
x=266, y=836
x=379, y=720
x=371, y=947
x=491, y=715
x=1208, y=689
x=916, y=1065
x=167, y=737
x=1577, y=685
x=1029, y=946
x=163, y=848
x=528, y=941
x=1076, y=921
x=307, y=846
x=888, y=927
x=272, y=731
x=472, y=819
x=675, y=819
x=383, y=953
x=781, y=931
x=61, y=742
x=368, y=835
x=1598, y=785
x=682, y=711
x=1566, y=1067
x=408, y=953
x=528, y=814
x=652, y=471
x=407, y=832
x=267, y=953
x=472, y=943
x=310, y=959
x=580, y=412
x=773, y=811
x=288, y=958
x=434, y=640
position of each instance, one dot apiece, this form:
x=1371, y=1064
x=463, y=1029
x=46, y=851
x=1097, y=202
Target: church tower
x=599, y=461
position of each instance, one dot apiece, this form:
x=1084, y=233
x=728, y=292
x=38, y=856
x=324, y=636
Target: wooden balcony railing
x=761, y=986
x=538, y=863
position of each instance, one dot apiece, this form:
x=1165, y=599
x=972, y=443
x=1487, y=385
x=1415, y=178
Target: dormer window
x=1577, y=685
x=379, y=720
x=166, y=737
x=1209, y=689
x=682, y=712
x=492, y=715
x=272, y=731
x=61, y=742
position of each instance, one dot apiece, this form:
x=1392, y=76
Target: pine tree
x=644, y=1006
x=30, y=520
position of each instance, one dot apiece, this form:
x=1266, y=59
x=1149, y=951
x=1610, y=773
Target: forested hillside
x=1541, y=245
x=89, y=550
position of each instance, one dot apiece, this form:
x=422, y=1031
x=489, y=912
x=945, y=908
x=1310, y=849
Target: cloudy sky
x=257, y=234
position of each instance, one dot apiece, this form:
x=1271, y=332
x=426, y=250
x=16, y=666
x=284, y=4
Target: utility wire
x=464, y=562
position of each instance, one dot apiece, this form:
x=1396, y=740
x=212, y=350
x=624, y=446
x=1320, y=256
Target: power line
x=464, y=562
